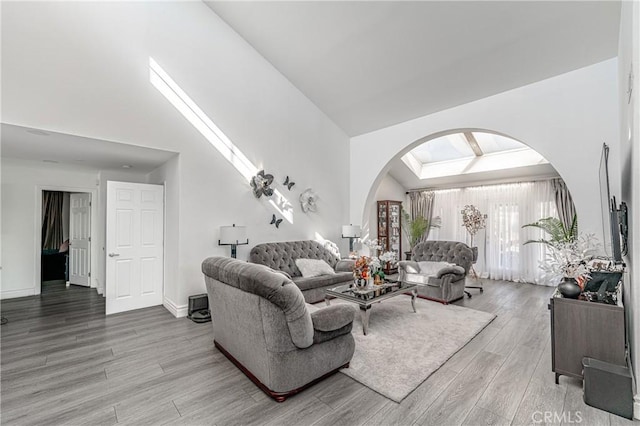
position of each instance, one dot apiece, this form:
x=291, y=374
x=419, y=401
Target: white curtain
x=501, y=251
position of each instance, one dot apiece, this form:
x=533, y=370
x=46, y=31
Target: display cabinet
x=389, y=230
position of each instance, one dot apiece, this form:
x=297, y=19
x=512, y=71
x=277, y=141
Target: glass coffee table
x=365, y=297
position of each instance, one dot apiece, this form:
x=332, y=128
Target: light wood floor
x=63, y=362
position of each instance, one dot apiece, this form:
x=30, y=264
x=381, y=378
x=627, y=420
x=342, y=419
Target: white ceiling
x=37, y=145
x=369, y=64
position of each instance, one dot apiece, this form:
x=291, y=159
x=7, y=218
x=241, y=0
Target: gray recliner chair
x=445, y=285
x=263, y=325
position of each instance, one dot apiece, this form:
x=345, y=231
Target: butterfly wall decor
x=288, y=183
x=275, y=221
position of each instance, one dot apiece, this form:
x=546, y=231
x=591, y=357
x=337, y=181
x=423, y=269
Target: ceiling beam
x=473, y=143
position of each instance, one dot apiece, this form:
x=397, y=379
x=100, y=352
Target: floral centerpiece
x=367, y=267
x=374, y=246
x=361, y=271
x=568, y=261
x=389, y=259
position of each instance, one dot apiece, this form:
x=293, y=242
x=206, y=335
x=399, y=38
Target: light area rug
x=402, y=348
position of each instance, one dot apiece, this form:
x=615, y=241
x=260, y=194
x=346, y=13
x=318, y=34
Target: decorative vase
x=360, y=282
x=569, y=288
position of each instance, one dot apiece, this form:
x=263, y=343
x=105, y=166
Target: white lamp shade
x=351, y=231
x=233, y=234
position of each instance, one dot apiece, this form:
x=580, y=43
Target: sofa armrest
x=409, y=266
x=455, y=270
x=331, y=322
x=345, y=265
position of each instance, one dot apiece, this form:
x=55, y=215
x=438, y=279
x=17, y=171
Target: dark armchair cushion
x=345, y=265
x=331, y=322
x=456, y=270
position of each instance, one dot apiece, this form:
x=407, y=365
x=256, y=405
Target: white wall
x=565, y=118
x=629, y=146
x=22, y=183
x=389, y=189
x=87, y=74
x=169, y=176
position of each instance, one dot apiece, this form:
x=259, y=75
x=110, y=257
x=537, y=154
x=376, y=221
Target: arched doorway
x=508, y=181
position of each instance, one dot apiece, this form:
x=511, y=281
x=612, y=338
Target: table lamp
x=233, y=236
x=351, y=232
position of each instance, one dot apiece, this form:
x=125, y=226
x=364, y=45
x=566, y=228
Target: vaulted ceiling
x=368, y=65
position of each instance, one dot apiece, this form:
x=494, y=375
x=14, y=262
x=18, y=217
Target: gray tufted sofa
x=448, y=284
x=263, y=325
x=282, y=256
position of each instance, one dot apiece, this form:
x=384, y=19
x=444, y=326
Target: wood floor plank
x=504, y=393
x=508, y=337
x=148, y=414
x=463, y=357
x=538, y=400
x=357, y=410
x=481, y=416
x=454, y=404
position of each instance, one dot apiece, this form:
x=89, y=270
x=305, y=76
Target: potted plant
x=414, y=230
x=556, y=229
x=568, y=261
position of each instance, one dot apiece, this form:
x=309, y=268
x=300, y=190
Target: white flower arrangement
x=388, y=257
x=374, y=263
x=374, y=245
x=570, y=259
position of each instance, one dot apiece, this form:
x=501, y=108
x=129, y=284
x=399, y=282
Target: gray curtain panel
x=51, y=219
x=564, y=202
x=421, y=204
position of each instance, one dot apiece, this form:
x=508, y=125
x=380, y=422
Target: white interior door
x=80, y=239
x=134, y=246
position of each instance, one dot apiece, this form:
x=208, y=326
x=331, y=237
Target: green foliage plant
x=414, y=229
x=557, y=232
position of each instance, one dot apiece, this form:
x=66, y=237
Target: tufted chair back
x=282, y=256
x=444, y=251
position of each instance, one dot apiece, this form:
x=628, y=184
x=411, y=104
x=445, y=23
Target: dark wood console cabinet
x=585, y=329
x=389, y=230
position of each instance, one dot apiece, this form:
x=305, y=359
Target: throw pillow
x=314, y=267
x=332, y=247
x=432, y=268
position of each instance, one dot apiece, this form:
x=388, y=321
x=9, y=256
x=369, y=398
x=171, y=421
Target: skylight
x=216, y=137
x=469, y=152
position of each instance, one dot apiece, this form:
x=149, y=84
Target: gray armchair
x=262, y=324
x=447, y=284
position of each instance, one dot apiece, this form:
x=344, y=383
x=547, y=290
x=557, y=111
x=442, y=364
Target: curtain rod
x=486, y=184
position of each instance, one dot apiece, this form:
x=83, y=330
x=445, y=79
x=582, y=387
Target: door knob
x=114, y=254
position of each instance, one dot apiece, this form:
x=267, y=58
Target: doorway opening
x=65, y=256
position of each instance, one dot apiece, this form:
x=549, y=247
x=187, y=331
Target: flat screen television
x=614, y=218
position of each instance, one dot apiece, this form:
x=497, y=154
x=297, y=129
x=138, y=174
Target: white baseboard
x=177, y=311
x=11, y=294
x=636, y=407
